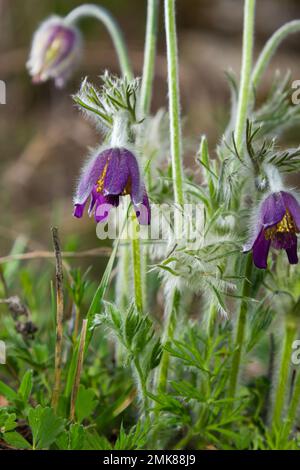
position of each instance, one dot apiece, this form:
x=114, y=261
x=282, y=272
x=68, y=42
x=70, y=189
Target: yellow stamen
x=53, y=51
x=100, y=182
x=286, y=225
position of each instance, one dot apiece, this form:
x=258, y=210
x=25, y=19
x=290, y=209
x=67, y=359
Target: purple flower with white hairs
x=277, y=225
x=112, y=173
x=55, y=51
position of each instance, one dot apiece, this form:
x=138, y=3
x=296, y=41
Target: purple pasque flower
x=112, y=173
x=277, y=224
x=55, y=51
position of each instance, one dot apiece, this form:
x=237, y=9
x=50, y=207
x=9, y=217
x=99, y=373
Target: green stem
x=113, y=28
x=146, y=96
x=174, y=101
x=293, y=407
x=177, y=168
x=211, y=320
x=245, y=83
x=168, y=336
x=137, y=267
x=240, y=332
x=279, y=400
x=123, y=277
x=270, y=48
x=149, y=55
x=142, y=385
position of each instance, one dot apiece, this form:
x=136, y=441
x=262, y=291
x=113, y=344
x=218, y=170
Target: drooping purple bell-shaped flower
x=277, y=224
x=55, y=51
x=112, y=173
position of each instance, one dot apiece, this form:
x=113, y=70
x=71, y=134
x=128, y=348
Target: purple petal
x=78, y=210
x=63, y=39
x=117, y=173
x=292, y=251
x=67, y=38
x=136, y=191
x=272, y=209
x=293, y=206
x=89, y=176
x=260, y=251
x=283, y=240
x=143, y=210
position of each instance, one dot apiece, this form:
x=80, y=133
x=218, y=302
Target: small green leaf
x=26, y=386
x=8, y=392
x=95, y=442
x=85, y=404
x=73, y=439
x=16, y=440
x=7, y=421
x=45, y=426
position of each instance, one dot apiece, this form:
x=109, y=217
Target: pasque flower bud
x=55, y=51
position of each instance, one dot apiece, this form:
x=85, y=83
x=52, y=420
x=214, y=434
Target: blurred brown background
x=43, y=138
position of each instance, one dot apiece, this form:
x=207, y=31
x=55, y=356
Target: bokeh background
x=43, y=138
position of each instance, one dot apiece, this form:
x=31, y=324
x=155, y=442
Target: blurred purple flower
x=277, y=224
x=106, y=177
x=55, y=52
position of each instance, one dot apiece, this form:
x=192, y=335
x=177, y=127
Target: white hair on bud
x=89, y=161
x=274, y=178
x=90, y=115
x=119, y=134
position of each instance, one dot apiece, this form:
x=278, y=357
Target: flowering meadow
x=189, y=337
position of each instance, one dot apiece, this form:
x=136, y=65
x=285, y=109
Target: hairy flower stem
x=174, y=101
x=210, y=321
x=170, y=325
x=280, y=394
x=149, y=55
x=59, y=319
x=177, y=168
x=142, y=386
x=123, y=276
x=241, y=326
x=293, y=407
x=245, y=80
x=270, y=48
x=113, y=28
x=137, y=266
x=146, y=96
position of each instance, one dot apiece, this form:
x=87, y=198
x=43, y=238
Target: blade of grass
x=78, y=370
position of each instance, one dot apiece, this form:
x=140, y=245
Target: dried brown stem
x=78, y=370
x=59, y=318
x=103, y=251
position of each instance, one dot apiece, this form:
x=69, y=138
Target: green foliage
x=114, y=96
x=7, y=421
x=45, y=426
x=85, y=404
x=135, y=332
x=135, y=438
x=195, y=292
